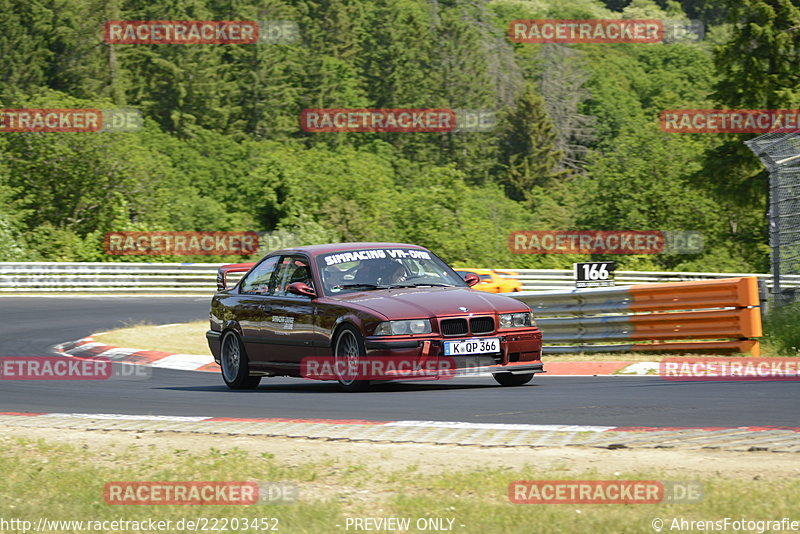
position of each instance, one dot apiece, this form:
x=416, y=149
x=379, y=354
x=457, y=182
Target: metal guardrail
x=670, y=317
x=74, y=277
x=547, y=279
x=106, y=277
x=646, y=316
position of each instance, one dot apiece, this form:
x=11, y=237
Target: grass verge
x=60, y=481
x=782, y=330
x=183, y=338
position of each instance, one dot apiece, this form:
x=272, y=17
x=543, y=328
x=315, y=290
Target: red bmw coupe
x=362, y=312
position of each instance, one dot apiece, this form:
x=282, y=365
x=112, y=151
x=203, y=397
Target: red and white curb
x=89, y=348
x=751, y=438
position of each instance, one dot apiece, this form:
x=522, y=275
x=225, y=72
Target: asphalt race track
x=29, y=326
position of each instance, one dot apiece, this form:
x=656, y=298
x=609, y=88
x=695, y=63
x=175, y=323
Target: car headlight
x=396, y=328
x=516, y=320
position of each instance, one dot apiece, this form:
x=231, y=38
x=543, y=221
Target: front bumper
x=513, y=368
x=520, y=353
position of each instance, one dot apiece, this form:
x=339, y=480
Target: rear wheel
x=508, y=379
x=348, y=351
x=234, y=364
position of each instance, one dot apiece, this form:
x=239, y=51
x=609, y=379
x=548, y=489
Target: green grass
x=185, y=338
x=479, y=501
x=65, y=482
x=62, y=482
x=782, y=330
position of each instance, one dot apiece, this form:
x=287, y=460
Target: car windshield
x=383, y=268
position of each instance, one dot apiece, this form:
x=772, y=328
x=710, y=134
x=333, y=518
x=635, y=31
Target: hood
x=412, y=303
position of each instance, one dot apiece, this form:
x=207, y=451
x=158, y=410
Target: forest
x=576, y=144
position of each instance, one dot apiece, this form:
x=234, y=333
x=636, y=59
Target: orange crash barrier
x=726, y=292
x=714, y=316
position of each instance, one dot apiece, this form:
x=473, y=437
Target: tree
x=647, y=183
x=23, y=47
x=562, y=83
x=529, y=148
x=758, y=67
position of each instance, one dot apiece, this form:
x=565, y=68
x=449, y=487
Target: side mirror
x=471, y=280
x=299, y=288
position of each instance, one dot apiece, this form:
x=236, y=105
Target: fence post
x=763, y=299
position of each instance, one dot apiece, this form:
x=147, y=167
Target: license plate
x=472, y=346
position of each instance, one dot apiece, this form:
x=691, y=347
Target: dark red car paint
x=272, y=350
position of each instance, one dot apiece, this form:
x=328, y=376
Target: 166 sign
x=594, y=274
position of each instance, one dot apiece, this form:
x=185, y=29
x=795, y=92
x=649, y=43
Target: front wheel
x=348, y=351
x=235, y=367
x=508, y=379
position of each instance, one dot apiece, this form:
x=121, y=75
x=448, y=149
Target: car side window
x=292, y=269
x=258, y=280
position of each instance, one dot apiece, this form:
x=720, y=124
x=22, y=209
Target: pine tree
x=759, y=64
x=268, y=76
x=23, y=48
x=531, y=157
x=757, y=70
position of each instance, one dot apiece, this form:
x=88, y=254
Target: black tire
x=508, y=379
x=234, y=364
x=348, y=347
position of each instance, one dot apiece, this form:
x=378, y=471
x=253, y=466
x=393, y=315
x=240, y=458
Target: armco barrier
x=718, y=315
x=108, y=277
x=553, y=279
x=723, y=314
